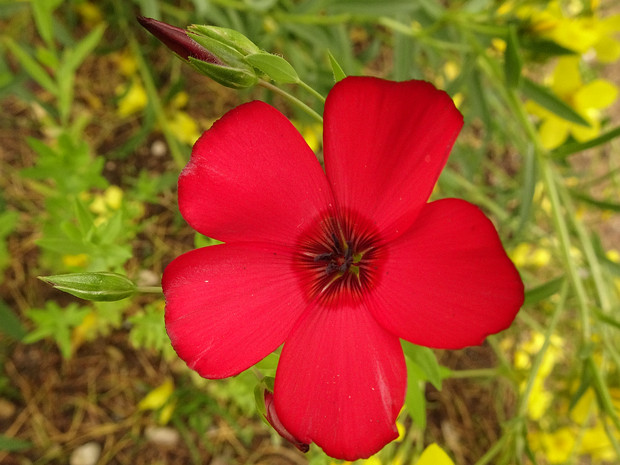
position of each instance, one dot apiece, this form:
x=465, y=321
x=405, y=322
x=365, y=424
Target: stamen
x=339, y=258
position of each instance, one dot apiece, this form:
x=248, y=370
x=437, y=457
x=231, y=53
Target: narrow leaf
x=576, y=147
x=34, y=69
x=42, y=12
x=415, y=399
x=426, y=360
x=13, y=444
x=512, y=58
x=602, y=204
x=547, y=99
x=10, y=324
x=274, y=66
x=84, y=47
x=530, y=176
x=542, y=292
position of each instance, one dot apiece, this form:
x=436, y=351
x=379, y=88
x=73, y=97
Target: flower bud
x=213, y=51
x=99, y=286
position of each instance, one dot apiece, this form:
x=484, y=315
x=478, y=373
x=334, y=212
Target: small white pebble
x=159, y=148
x=86, y=454
x=161, y=435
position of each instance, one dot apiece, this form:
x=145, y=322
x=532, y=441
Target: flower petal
x=385, y=145
x=252, y=176
x=341, y=382
x=447, y=282
x=228, y=306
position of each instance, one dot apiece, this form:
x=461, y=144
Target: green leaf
x=339, y=74
x=76, y=56
x=42, y=11
x=274, y=66
x=542, y=292
x=56, y=323
x=13, y=444
x=512, y=58
x=530, y=176
x=10, y=324
x=545, y=98
x=602, y=204
x=426, y=360
x=34, y=69
x=372, y=7
x=84, y=217
x=569, y=149
x=608, y=320
x=415, y=399
x=99, y=286
x=545, y=47
x=148, y=331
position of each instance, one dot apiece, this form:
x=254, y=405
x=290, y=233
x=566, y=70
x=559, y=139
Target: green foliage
x=56, y=323
x=98, y=199
x=148, y=330
x=10, y=324
x=13, y=444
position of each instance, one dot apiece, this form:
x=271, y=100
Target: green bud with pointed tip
x=97, y=286
x=216, y=52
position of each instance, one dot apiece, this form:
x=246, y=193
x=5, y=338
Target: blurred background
x=97, y=121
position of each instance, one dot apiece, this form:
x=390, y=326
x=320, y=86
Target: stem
x=149, y=289
x=305, y=86
x=477, y=373
x=522, y=410
x=292, y=99
x=559, y=219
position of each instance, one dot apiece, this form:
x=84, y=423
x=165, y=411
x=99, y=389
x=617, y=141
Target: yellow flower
x=540, y=398
x=587, y=99
x=133, y=98
x=434, y=455
x=597, y=444
x=556, y=446
x=568, y=26
x=157, y=397
x=90, y=13
x=528, y=255
x=312, y=133
x=184, y=127
x=75, y=261
x=113, y=197
x=85, y=331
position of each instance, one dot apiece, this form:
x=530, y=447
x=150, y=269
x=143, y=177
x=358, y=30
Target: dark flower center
x=338, y=257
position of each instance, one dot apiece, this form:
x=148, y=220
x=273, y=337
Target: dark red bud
x=177, y=40
x=274, y=421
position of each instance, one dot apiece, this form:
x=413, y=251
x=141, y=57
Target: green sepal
x=225, y=36
x=237, y=78
x=265, y=384
x=99, y=286
x=337, y=70
x=274, y=66
x=229, y=56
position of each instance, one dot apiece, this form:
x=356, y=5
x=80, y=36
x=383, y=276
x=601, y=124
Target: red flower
x=337, y=265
